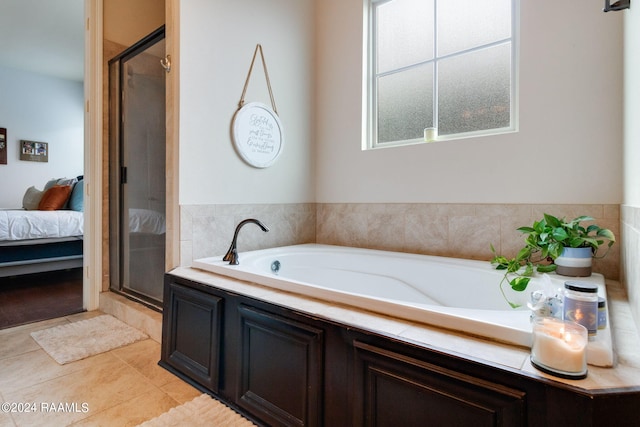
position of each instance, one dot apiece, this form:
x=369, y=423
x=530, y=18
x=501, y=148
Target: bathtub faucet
x=232, y=253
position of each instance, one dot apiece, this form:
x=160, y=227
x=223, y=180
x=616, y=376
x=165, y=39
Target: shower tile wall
x=457, y=230
x=630, y=220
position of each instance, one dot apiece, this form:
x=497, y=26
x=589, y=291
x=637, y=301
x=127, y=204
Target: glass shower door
x=141, y=155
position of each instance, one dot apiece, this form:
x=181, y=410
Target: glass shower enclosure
x=137, y=159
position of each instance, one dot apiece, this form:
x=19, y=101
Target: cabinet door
x=280, y=369
x=395, y=390
x=191, y=334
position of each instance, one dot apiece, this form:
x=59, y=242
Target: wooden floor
x=35, y=297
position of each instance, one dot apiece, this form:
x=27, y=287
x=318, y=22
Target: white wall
x=632, y=106
x=631, y=207
x=36, y=107
x=217, y=41
x=568, y=148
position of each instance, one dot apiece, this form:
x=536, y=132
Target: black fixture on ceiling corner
x=619, y=5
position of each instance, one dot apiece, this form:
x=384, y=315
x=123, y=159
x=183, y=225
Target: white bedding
x=23, y=224
x=146, y=221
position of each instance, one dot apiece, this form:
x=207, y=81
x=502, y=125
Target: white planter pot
x=574, y=262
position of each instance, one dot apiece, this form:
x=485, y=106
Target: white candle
x=559, y=345
x=430, y=134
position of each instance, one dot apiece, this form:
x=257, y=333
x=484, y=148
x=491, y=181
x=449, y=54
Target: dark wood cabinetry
x=281, y=367
x=191, y=334
x=396, y=390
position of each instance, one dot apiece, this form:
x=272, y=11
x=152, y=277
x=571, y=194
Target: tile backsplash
x=630, y=257
x=453, y=230
x=207, y=230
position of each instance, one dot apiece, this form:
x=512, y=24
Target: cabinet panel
x=281, y=369
x=191, y=334
x=393, y=389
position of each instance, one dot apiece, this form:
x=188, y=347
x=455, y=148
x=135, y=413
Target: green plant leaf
x=576, y=242
x=524, y=254
x=526, y=229
x=592, y=227
x=554, y=250
x=546, y=268
x=607, y=234
x=552, y=220
x=559, y=234
x=513, y=266
x=519, y=284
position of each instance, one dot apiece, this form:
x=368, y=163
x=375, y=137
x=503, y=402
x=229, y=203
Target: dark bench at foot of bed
x=38, y=255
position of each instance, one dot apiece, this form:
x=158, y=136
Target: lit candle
x=559, y=346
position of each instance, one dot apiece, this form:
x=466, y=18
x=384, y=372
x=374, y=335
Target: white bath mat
x=200, y=412
x=77, y=340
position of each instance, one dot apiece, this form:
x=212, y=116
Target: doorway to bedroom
x=137, y=158
x=42, y=117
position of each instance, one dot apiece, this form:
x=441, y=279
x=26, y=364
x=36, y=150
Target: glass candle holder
x=559, y=347
x=430, y=134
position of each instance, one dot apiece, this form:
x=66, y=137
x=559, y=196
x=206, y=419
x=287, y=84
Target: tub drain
x=275, y=266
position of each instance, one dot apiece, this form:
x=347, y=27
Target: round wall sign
x=257, y=134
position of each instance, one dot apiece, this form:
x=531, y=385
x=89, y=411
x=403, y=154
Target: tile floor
x=122, y=387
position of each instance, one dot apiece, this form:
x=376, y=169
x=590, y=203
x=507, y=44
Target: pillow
x=50, y=183
x=54, y=198
x=76, y=201
x=59, y=181
x=31, y=198
x=67, y=181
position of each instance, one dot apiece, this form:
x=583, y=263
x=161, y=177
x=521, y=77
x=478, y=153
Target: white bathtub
x=451, y=293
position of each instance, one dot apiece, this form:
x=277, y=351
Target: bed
x=47, y=233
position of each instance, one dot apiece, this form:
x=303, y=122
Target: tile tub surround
x=452, y=230
x=207, y=230
x=630, y=267
x=625, y=374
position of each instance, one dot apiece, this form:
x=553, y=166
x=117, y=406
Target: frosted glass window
x=406, y=104
x=405, y=33
x=474, y=91
x=448, y=64
x=464, y=24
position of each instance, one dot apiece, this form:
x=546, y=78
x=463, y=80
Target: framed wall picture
x=3, y=146
x=34, y=151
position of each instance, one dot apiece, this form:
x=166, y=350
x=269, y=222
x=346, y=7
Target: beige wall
x=127, y=21
x=217, y=41
x=568, y=149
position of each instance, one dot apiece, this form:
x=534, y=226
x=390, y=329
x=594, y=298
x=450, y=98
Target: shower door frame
x=117, y=249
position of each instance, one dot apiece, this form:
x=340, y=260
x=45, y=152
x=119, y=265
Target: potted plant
x=553, y=244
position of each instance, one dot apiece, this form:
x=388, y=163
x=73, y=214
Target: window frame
x=370, y=140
